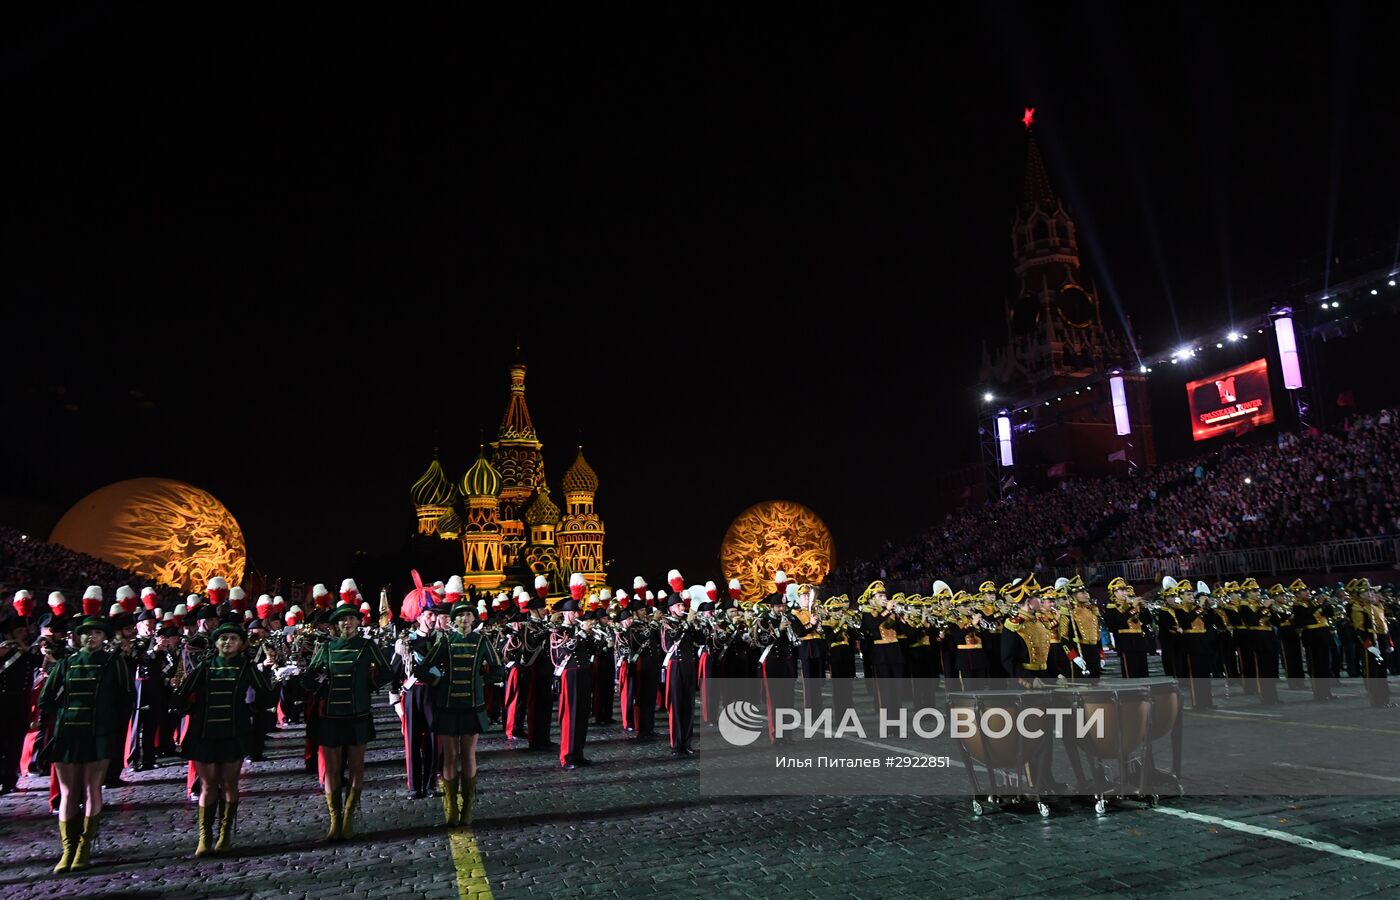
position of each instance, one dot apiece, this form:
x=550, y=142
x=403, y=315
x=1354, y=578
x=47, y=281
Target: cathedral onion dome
x=580, y=478
x=433, y=489
x=542, y=511
x=450, y=525
x=482, y=479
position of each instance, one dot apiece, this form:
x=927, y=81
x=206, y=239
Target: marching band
x=210, y=679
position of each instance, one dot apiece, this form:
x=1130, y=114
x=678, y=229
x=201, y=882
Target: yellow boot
x=68, y=833
x=449, y=802
x=86, y=839
x=352, y=802
x=226, y=823
x=469, y=801
x=333, y=804
x=206, y=831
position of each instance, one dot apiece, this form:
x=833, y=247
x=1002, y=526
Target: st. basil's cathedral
x=501, y=512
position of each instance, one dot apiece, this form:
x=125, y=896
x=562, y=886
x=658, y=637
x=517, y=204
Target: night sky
x=749, y=255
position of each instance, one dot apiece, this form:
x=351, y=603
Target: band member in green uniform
x=87, y=694
x=346, y=669
x=457, y=667
x=220, y=732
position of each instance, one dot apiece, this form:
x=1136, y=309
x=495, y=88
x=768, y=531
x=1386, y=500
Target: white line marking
x=1321, y=846
x=1240, y=712
x=905, y=750
x=1338, y=772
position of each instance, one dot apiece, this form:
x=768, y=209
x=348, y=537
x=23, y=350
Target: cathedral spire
x=516, y=424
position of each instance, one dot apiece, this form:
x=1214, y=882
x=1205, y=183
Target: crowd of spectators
x=1285, y=490
x=39, y=567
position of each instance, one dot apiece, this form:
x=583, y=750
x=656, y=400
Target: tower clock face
x=1075, y=306
x=1025, y=315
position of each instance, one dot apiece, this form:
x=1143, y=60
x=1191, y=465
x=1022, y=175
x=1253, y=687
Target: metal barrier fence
x=1361, y=553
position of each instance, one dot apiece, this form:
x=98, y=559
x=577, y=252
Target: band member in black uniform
x=1125, y=620
x=1168, y=628
x=680, y=638
x=883, y=630
x=1261, y=644
x=842, y=655
x=124, y=642
x=1314, y=628
x=1290, y=643
x=992, y=616
x=263, y=706
x=571, y=654
x=1223, y=615
x=18, y=663
x=730, y=653
x=962, y=641
x=540, y=703
x=921, y=656
x=221, y=726
x=773, y=634
x=1373, y=632
x=645, y=636
x=1197, y=643
x=415, y=705
x=811, y=647
x=604, y=662
x=152, y=700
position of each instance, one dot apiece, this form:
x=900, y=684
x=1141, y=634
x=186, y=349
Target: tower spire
x=516, y=424
x=1037, y=191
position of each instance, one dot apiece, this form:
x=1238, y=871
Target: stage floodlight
x=1288, y=350
x=1120, y=403
x=1004, y=438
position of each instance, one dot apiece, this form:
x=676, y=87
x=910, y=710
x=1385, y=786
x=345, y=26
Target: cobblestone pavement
x=636, y=823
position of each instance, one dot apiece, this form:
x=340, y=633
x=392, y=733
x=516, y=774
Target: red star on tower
x=1029, y=117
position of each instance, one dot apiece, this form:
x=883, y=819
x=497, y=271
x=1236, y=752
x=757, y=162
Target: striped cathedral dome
x=433, y=489
x=482, y=479
x=580, y=478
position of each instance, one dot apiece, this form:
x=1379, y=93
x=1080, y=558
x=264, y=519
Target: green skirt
x=72, y=747
x=215, y=750
x=344, y=732
x=459, y=721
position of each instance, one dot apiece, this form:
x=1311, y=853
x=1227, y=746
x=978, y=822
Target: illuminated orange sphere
x=776, y=534
x=166, y=530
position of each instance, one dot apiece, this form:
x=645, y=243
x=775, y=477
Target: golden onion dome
x=542, y=511
x=482, y=479
x=450, y=525
x=433, y=489
x=580, y=478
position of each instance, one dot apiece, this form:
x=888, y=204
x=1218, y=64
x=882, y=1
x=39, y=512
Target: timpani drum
x=1015, y=765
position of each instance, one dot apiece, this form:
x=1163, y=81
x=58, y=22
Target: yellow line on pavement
x=471, y=870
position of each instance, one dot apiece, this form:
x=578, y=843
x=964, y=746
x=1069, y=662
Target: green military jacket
x=466, y=662
x=216, y=694
x=355, y=668
x=89, y=694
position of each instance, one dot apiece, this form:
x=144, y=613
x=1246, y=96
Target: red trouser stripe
x=565, y=712
x=768, y=696
x=670, y=708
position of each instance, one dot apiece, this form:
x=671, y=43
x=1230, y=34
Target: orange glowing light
x=777, y=534
x=163, y=529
